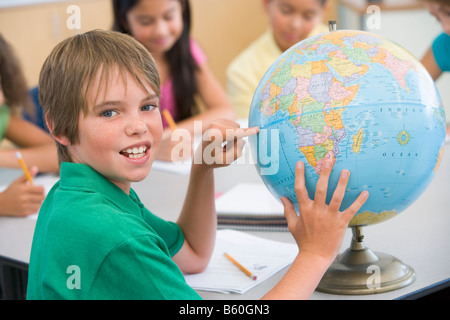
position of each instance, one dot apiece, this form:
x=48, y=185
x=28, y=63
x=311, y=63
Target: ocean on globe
x=360, y=100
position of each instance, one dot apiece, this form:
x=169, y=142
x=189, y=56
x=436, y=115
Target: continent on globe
x=365, y=103
x=357, y=138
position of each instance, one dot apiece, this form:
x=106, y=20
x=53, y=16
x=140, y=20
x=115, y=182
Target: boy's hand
x=21, y=198
x=222, y=143
x=174, y=150
x=320, y=228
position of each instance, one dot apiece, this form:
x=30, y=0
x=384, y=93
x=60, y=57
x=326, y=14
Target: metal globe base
x=359, y=270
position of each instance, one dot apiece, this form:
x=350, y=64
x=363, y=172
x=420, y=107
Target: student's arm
x=37, y=147
x=429, y=62
x=198, y=219
x=318, y=231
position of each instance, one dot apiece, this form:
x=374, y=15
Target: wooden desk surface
x=419, y=236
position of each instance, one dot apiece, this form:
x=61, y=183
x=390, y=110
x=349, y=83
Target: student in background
x=37, y=147
x=290, y=22
x=163, y=27
x=437, y=59
x=99, y=112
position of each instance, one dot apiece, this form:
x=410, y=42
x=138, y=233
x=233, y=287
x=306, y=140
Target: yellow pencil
x=24, y=167
x=169, y=119
x=241, y=267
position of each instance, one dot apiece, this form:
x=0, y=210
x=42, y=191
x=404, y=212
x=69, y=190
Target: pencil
x=241, y=267
x=24, y=167
x=169, y=119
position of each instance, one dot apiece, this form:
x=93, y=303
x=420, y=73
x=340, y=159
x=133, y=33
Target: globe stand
x=359, y=270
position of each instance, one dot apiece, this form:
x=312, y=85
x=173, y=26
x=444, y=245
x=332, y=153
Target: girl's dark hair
x=181, y=63
x=13, y=81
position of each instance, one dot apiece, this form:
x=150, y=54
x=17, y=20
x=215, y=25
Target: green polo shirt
x=5, y=114
x=93, y=241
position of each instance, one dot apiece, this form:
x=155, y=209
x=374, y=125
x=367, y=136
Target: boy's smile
x=120, y=134
x=135, y=152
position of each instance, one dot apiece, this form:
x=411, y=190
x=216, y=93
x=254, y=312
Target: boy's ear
x=60, y=138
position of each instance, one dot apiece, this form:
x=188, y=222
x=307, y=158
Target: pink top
x=167, y=95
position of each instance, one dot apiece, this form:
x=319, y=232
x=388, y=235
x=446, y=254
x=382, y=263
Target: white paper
x=249, y=199
x=262, y=257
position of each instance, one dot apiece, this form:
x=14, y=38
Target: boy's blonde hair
x=71, y=68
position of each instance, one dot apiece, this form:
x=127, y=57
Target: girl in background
x=37, y=148
x=437, y=58
x=163, y=27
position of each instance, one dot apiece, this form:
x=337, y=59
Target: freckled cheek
x=156, y=131
x=102, y=138
x=154, y=126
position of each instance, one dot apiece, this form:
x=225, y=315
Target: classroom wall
x=222, y=27
x=35, y=29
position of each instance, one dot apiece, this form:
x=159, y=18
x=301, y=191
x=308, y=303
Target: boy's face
x=121, y=132
x=293, y=20
x=442, y=13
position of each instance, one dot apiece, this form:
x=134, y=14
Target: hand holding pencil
x=24, y=167
x=22, y=198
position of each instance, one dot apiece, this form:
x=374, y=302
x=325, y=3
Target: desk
x=419, y=236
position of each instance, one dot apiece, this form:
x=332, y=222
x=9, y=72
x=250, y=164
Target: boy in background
x=290, y=22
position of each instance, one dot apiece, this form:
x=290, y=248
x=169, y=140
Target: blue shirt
x=441, y=51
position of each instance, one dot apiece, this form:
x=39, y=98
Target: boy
x=290, y=22
x=94, y=239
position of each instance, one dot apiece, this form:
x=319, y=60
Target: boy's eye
x=108, y=113
x=148, y=107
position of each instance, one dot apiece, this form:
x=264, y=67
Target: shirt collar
x=82, y=177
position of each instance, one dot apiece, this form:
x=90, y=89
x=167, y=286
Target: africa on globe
x=360, y=100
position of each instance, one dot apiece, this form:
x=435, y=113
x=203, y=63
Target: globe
x=360, y=100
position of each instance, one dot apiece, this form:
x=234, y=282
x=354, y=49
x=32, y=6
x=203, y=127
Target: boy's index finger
x=230, y=133
x=246, y=132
